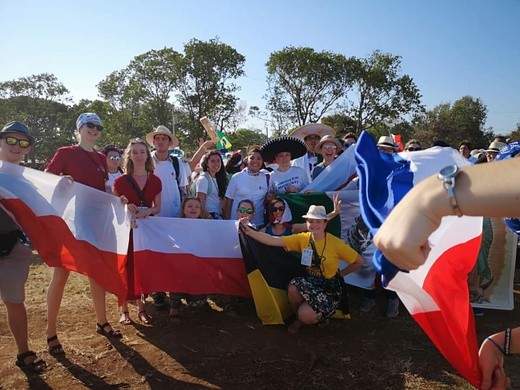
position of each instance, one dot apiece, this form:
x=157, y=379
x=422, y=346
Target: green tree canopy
x=304, y=84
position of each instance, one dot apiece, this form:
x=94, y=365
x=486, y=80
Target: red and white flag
x=70, y=225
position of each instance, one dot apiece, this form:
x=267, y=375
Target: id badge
x=306, y=257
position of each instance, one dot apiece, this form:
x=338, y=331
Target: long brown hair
x=220, y=176
x=128, y=164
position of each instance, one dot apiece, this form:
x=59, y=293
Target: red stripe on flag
x=452, y=329
x=155, y=271
x=58, y=247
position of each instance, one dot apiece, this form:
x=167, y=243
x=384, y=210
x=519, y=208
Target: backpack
x=175, y=163
x=193, y=188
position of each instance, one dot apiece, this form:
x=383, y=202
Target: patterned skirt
x=323, y=295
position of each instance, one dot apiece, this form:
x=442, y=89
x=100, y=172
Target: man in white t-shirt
x=172, y=174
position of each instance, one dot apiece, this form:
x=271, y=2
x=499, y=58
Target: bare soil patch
x=211, y=350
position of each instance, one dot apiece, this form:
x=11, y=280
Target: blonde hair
x=128, y=164
x=203, y=213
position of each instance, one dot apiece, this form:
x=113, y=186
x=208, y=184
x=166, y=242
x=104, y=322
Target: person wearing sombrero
x=315, y=296
x=328, y=147
x=285, y=178
x=310, y=134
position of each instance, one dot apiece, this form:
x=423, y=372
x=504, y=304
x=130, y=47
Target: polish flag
x=70, y=225
x=194, y=256
x=436, y=294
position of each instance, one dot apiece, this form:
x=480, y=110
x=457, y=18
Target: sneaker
x=367, y=304
x=392, y=308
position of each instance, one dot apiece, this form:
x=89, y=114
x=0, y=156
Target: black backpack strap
x=175, y=162
x=137, y=190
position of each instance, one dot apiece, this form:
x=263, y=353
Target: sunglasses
x=413, y=149
x=329, y=147
x=91, y=125
x=244, y=210
x=23, y=143
x=281, y=208
x=115, y=158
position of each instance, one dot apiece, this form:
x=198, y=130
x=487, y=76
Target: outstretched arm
x=491, y=190
x=263, y=238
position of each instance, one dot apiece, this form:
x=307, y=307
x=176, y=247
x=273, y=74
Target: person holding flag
x=477, y=190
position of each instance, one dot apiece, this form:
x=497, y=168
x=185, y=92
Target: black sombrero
x=274, y=146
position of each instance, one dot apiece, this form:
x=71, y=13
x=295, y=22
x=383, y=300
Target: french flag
x=70, y=225
x=194, y=256
x=436, y=294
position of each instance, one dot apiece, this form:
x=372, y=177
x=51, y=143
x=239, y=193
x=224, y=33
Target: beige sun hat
x=316, y=212
x=386, y=141
x=312, y=128
x=495, y=146
x=162, y=130
x=324, y=140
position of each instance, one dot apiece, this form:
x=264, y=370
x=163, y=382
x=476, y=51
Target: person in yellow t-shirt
x=314, y=297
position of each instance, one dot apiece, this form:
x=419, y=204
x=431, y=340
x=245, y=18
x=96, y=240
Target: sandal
x=125, y=318
x=111, y=334
x=36, y=366
x=57, y=349
x=144, y=318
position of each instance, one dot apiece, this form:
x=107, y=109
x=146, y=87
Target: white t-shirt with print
x=294, y=176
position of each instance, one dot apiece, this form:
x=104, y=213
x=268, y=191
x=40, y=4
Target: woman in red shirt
x=141, y=190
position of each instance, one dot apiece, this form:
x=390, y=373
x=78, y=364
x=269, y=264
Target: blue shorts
x=14, y=271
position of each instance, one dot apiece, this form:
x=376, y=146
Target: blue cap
x=87, y=117
x=17, y=127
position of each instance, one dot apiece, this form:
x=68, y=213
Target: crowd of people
x=151, y=181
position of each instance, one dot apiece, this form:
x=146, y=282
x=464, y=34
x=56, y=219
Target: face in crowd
x=162, y=143
x=192, y=208
x=113, y=160
x=245, y=209
x=311, y=141
x=254, y=161
x=464, y=151
x=386, y=149
x=13, y=147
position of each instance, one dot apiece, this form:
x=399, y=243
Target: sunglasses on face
x=115, y=158
x=23, y=143
x=91, y=125
x=281, y=208
x=329, y=147
x=244, y=210
x=413, y=149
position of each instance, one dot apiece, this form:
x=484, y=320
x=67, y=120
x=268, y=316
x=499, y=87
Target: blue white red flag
x=436, y=294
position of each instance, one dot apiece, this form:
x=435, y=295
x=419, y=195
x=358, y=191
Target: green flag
x=223, y=141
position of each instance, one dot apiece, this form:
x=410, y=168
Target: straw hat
x=312, y=128
x=495, y=146
x=386, y=141
x=174, y=142
x=325, y=139
x=316, y=212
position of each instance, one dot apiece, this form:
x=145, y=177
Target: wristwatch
x=447, y=175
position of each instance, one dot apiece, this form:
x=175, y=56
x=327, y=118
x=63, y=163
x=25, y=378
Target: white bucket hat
x=316, y=212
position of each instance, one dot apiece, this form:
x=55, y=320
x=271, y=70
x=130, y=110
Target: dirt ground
x=211, y=350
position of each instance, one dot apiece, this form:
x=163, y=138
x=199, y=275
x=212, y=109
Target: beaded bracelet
x=496, y=345
x=507, y=342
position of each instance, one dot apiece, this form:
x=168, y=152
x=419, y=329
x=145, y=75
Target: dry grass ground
x=211, y=350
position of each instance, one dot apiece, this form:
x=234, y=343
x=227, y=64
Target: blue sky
x=450, y=48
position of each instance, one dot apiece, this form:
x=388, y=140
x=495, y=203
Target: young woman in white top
x=211, y=184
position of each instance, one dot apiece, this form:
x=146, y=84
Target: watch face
x=449, y=171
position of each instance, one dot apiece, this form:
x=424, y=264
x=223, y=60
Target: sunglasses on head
x=244, y=210
x=115, y=158
x=413, y=149
x=281, y=208
x=91, y=125
x=23, y=143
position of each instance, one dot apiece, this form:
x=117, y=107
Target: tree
x=515, y=134
x=206, y=85
x=303, y=84
x=341, y=123
x=244, y=137
x=381, y=93
x=39, y=102
x=453, y=123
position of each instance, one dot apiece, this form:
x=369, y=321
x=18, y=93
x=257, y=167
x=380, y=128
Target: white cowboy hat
x=174, y=142
x=316, y=212
x=312, y=128
x=325, y=139
x=386, y=141
x=495, y=146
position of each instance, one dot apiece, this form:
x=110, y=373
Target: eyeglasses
x=23, y=143
x=244, y=210
x=281, y=208
x=329, y=147
x=413, y=149
x=91, y=125
x=115, y=158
